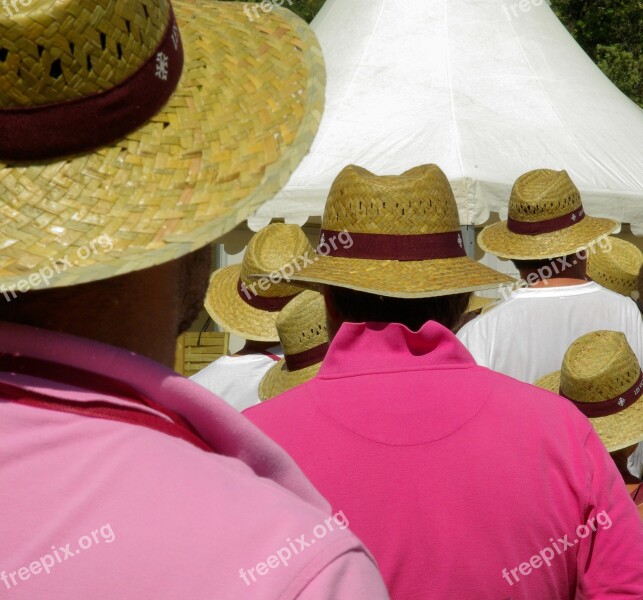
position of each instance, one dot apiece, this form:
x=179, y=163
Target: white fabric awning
x=480, y=87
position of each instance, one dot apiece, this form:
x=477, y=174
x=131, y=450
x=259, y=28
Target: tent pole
x=469, y=238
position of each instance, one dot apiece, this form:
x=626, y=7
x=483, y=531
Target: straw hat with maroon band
x=249, y=307
x=603, y=378
x=616, y=268
x=159, y=127
x=546, y=219
x=302, y=331
x=395, y=236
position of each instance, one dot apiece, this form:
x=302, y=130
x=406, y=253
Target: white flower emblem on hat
x=322, y=240
x=574, y=217
x=162, y=65
x=621, y=401
x=460, y=240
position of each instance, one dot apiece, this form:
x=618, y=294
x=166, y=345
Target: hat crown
x=617, y=267
x=419, y=201
x=270, y=250
x=599, y=366
x=51, y=52
x=543, y=194
x=302, y=323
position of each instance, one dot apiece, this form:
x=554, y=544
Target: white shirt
x=527, y=335
x=236, y=379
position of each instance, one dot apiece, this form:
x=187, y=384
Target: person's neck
x=558, y=282
x=254, y=347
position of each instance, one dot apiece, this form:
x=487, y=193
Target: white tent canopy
x=482, y=88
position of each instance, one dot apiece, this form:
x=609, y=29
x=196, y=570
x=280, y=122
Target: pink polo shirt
x=462, y=482
x=100, y=509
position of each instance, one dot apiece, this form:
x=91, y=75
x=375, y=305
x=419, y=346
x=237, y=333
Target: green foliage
x=610, y=32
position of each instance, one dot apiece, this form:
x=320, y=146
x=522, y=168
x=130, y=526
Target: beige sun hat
x=249, y=307
x=395, y=236
x=603, y=378
x=546, y=219
x=616, y=268
x=158, y=166
x=480, y=303
x=302, y=331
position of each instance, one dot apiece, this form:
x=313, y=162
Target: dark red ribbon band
x=84, y=124
x=269, y=304
x=307, y=358
x=611, y=406
x=383, y=246
x=175, y=425
x=548, y=225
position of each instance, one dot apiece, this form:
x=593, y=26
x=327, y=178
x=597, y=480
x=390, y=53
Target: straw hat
x=618, y=268
x=160, y=167
x=603, y=378
x=480, y=303
x=395, y=236
x=546, y=219
x=249, y=307
x=303, y=335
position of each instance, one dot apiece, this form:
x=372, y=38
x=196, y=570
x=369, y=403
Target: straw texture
x=597, y=367
x=420, y=201
x=269, y=250
x=618, y=268
x=301, y=326
x=480, y=302
x=243, y=116
x=539, y=196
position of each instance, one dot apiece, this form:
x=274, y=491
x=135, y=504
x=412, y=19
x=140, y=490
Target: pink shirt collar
x=362, y=348
x=225, y=430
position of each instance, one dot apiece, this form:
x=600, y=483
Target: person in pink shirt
x=120, y=479
x=463, y=483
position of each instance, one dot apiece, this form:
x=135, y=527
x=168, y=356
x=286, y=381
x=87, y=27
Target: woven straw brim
x=243, y=116
x=616, y=431
x=228, y=309
x=498, y=240
x=477, y=302
x=279, y=379
x=403, y=279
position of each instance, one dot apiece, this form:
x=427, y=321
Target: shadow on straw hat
x=617, y=268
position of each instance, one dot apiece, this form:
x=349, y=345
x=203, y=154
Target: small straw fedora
x=395, y=236
x=159, y=125
x=480, y=303
x=302, y=331
x=602, y=377
x=546, y=219
x=249, y=307
x=616, y=269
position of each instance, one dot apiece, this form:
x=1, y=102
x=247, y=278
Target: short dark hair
x=531, y=265
x=358, y=307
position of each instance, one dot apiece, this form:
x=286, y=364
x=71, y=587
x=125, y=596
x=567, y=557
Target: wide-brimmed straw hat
x=395, y=236
x=546, y=219
x=120, y=122
x=302, y=331
x=249, y=307
x=602, y=377
x=616, y=268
